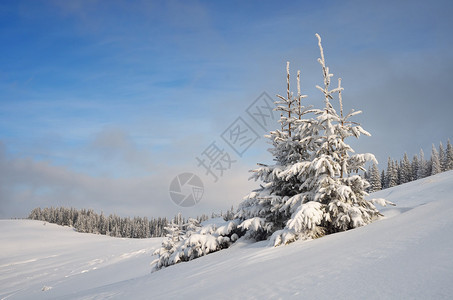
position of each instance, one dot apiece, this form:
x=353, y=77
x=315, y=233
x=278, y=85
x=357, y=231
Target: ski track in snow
x=407, y=254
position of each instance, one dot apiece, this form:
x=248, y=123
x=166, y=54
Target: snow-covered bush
x=192, y=240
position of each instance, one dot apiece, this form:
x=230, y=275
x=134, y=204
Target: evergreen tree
x=80, y=225
x=229, y=215
x=392, y=174
x=367, y=174
x=103, y=225
x=387, y=173
x=449, y=157
x=405, y=170
x=289, y=147
x=415, y=167
x=383, y=179
x=311, y=190
x=331, y=198
x=398, y=168
x=435, y=163
x=442, y=158
x=375, y=179
x=422, y=166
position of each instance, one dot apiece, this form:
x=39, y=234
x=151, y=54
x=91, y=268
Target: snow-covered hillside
x=406, y=255
x=42, y=260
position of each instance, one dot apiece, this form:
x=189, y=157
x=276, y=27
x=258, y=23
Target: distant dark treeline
x=86, y=220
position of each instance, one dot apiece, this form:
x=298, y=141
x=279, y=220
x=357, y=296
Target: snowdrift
x=405, y=255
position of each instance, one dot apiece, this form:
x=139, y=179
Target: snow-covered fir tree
x=415, y=165
x=442, y=157
x=449, y=157
x=392, y=174
x=397, y=167
x=166, y=254
x=422, y=165
x=261, y=209
x=382, y=179
x=435, y=162
x=405, y=170
x=325, y=197
x=375, y=179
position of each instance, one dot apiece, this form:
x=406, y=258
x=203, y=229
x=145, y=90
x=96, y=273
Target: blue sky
x=102, y=103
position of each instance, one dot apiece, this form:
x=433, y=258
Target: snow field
x=406, y=255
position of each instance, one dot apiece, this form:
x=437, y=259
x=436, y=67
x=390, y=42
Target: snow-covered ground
x=42, y=260
x=407, y=255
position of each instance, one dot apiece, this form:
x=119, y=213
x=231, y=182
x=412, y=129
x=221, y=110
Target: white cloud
x=118, y=153
x=26, y=183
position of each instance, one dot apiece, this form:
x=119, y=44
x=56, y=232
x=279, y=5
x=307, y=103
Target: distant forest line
x=88, y=221
x=406, y=170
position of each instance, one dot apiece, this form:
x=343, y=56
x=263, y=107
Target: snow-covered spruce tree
x=166, y=254
x=415, y=165
x=261, y=211
x=442, y=157
x=449, y=157
x=392, y=174
x=382, y=179
x=422, y=166
x=435, y=162
x=323, y=196
x=375, y=179
x=405, y=170
x=331, y=199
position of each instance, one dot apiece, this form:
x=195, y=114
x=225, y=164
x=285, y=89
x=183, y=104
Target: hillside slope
x=405, y=255
x=42, y=260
